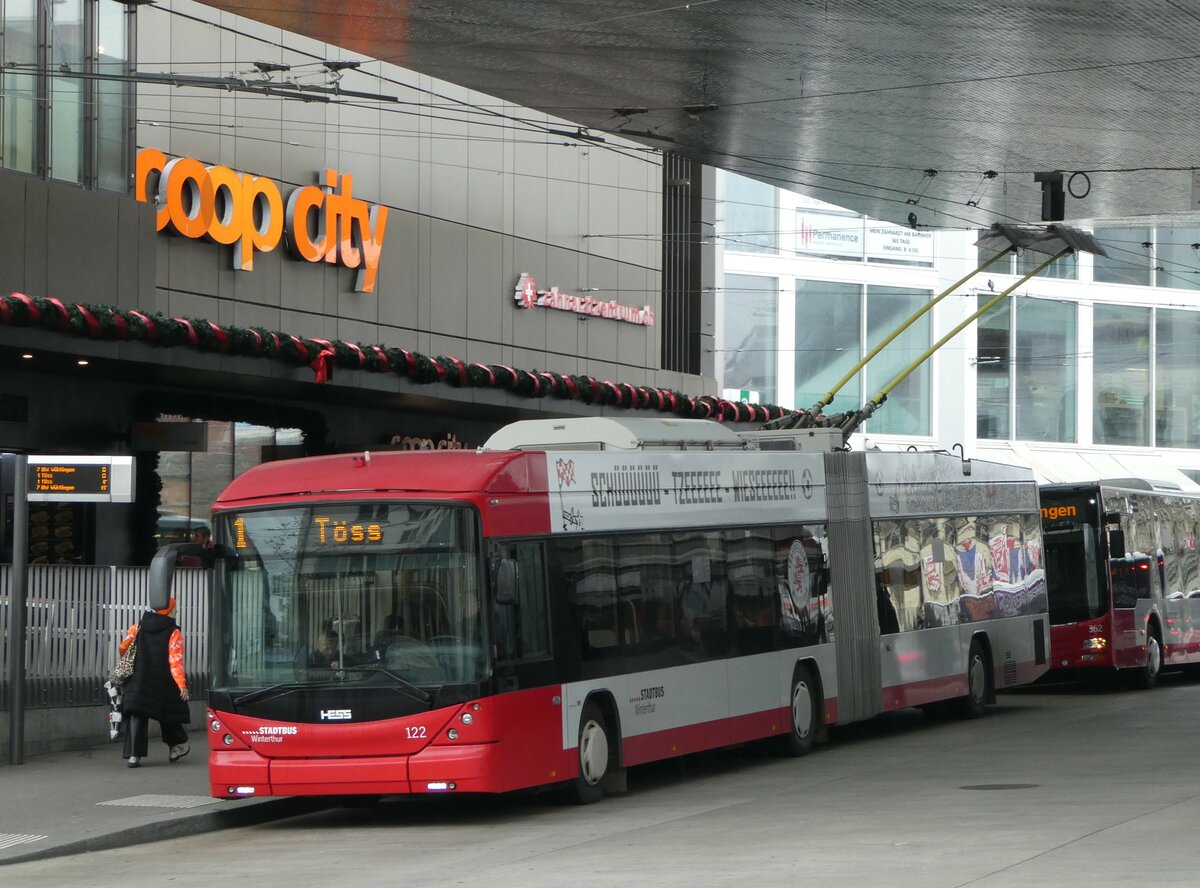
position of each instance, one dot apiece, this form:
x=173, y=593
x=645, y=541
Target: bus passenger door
x=521, y=627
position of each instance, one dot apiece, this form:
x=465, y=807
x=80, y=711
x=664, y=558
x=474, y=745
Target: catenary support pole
x=16, y=612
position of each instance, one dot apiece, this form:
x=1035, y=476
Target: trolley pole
x=16, y=611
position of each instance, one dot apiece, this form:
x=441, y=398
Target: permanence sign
x=323, y=223
x=81, y=479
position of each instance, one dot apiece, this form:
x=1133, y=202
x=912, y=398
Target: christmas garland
x=106, y=322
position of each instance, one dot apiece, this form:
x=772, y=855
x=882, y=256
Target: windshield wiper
x=404, y=684
x=281, y=688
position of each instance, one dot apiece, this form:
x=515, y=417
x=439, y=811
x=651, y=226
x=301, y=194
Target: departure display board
x=70, y=479
x=83, y=479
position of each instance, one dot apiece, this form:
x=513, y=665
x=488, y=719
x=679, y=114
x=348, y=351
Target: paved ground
x=83, y=801
x=1059, y=787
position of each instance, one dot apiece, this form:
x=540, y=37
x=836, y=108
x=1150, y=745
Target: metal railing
x=76, y=618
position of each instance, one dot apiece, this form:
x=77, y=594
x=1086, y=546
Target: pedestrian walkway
x=87, y=800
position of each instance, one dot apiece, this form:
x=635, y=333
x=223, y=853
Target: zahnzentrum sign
x=323, y=223
x=527, y=295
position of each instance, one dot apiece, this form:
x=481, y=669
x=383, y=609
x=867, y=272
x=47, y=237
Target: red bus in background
x=487, y=621
x=1123, y=575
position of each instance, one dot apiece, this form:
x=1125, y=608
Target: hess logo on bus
x=336, y=715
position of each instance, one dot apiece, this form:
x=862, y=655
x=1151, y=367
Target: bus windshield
x=379, y=592
x=1075, y=575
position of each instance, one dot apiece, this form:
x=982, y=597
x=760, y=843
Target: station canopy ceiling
x=887, y=107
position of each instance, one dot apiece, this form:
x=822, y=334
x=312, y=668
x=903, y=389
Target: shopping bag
x=115, y=724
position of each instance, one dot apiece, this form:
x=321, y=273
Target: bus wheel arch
x=806, y=710
x=598, y=750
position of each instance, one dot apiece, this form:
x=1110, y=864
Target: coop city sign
x=324, y=223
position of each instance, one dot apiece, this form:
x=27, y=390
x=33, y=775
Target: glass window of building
x=751, y=216
x=1044, y=372
x=1036, y=367
x=1121, y=361
x=828, y=334
x=192, y=480
x=67, y=100
x=114, y=97
x=993, y=369
x=751, y=311
x=1128, y=262
x=20, y=82
x=907, y=409
x=1177, y=256
x=1064, y=268
x=1176, y=383
x=67, y=109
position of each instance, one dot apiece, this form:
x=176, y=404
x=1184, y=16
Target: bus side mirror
x=504, y=581
x=1116, y=544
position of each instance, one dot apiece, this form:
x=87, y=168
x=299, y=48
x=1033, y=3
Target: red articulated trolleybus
x=582, y=596
x=1123, y=574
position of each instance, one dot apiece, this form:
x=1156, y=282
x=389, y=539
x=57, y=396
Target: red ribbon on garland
x=491, y=377
x=93, y=325
x=323, y=363
x=192, y=338
x=35, y=313
x=151, y=327
x=222, y=336
x=64, y=316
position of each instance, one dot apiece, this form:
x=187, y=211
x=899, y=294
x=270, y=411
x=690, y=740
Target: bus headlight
x=452, y=733
x=467, y=718
x=1095, y=644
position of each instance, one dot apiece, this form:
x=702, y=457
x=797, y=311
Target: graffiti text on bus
x=626, y=486
x=764, y=485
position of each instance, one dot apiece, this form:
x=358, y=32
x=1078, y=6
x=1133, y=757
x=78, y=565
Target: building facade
x=296, y=251
x=1092, y=355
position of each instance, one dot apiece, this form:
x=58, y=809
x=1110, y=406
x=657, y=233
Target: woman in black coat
x=158, y=687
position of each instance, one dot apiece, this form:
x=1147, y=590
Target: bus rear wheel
x=805, y=714
x=974, y=704
x=596, y=756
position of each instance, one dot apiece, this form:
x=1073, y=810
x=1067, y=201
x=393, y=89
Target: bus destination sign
x=81, y=479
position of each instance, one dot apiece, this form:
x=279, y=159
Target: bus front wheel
x=596, y=753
